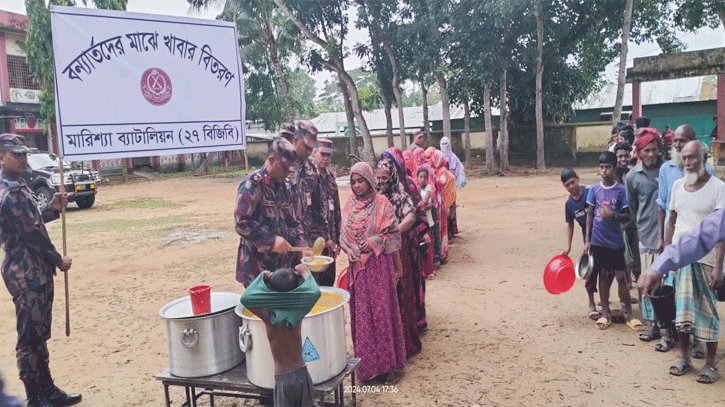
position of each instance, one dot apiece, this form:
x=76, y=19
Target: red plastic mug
x=200, y=299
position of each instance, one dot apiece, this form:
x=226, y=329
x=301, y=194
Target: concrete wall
x=592, y=138
x=697, y=114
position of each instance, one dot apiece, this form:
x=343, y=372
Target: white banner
x=138, y=85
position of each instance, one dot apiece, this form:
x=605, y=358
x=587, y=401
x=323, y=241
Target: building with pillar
x=19, y=95
x=681, y=65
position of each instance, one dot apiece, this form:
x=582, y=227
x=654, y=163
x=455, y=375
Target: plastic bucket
x=342, y=279
x=559, y=275
x=663, y=303
x=200, y=299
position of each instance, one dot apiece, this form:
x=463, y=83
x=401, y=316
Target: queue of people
x=395, y=230
x=641, y=205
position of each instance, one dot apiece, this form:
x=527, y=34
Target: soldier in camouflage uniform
x=304, y=186
x=330, y=208
x=27, y=269
x=287, y=131
x=264, y=216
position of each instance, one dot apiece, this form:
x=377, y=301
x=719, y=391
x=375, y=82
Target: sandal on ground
x=603, y=323
x=594, y=315
x=664, y=344
x=649, y=334
x=635, y=324
x=708, y=375
x=698, y=350
x=680, y=367
x=393, y=378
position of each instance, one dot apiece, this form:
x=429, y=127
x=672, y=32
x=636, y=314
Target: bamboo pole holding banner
x=65, y=248
x=54, y=132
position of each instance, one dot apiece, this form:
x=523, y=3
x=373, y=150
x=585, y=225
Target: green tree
x=693, y=14
x=324, y=23
x=415, y=48
x=263, y=33
x=424, y=47
x=302, y=93
x=479, y=67
x=379, y=62
x=331, y=99
x=379, y=17
x=626, y=27
x=38, y=48
x=540, y=163
x=266, y=104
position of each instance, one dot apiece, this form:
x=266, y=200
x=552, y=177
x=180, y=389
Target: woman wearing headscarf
x=372, y=243
x=434, y=258
x=456, y=167
x=454, y=163
x=419, y=157
x=420, y=234
x=429, y=155
x=409, y=160
x=390, y=186
x=446, y=184
x=395, y=155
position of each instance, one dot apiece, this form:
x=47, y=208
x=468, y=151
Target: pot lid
x=181, y=307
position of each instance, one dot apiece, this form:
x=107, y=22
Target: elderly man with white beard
x=670, y=171
x=694, y=196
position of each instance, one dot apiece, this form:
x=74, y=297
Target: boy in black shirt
x=575, y=208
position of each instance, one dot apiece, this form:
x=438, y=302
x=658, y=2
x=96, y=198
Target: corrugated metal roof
x=652, y=93
x=328, y=122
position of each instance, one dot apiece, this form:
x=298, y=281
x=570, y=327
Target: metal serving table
x=234, y=383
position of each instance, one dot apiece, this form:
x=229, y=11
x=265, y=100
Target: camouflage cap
x=287, y=131
x=14, y=143
x=324, y=145
x=308, y=132
x=285, y=151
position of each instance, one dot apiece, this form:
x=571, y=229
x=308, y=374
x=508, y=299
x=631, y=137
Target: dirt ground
x=496, y=337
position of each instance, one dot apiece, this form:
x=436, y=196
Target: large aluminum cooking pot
x=203, y=345
x=323, y=343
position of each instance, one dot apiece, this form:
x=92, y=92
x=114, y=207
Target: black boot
x=35, y=395
x=56, y=396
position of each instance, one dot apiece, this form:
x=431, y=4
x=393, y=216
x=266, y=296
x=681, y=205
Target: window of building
x=19, y=73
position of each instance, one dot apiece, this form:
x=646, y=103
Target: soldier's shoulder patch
x=8, y=188
x=251, y=180
x=255, y=178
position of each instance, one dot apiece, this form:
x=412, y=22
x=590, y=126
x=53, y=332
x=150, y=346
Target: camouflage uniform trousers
x=33, y=311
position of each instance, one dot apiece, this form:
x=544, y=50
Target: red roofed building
x=19, y=94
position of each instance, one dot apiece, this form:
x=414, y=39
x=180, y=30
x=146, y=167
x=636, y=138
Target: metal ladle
x=316, y=248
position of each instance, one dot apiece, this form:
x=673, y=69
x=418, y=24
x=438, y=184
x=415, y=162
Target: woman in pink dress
x=446, y=184
x=371, y=240
x=391, y=186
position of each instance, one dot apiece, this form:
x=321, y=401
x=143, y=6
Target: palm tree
x=263, y=33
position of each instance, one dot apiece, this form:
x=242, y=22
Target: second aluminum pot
x=323, y=344
x=203, y=345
